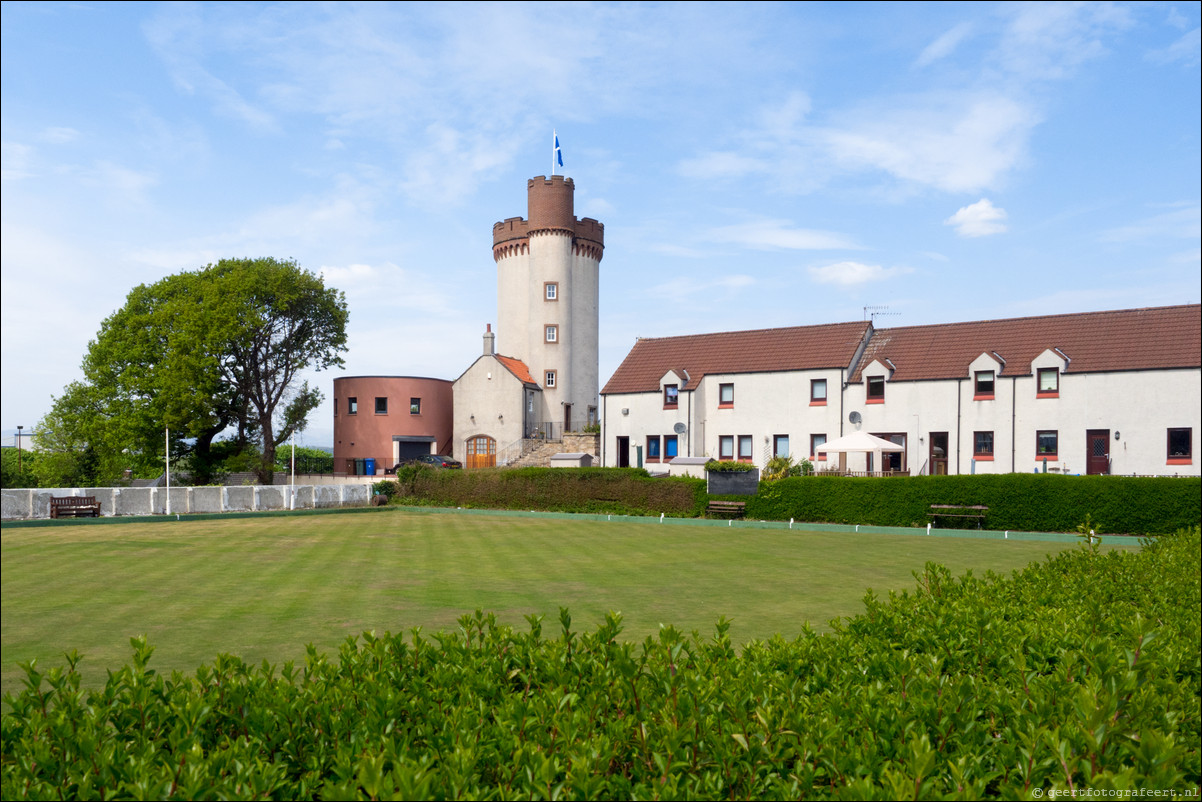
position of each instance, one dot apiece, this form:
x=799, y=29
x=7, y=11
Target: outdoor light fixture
x=1116, y=435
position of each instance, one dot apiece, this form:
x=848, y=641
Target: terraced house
x=1099, y=392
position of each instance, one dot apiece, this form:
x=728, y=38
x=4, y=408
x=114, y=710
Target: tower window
x=550, y=379
x=415, y=406
x=551, y=290
x=352, y=405
x=381, y=405
x=551, y=334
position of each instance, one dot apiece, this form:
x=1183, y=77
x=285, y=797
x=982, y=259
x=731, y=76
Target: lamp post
x=19, y=469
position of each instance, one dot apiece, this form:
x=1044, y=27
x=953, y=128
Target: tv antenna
x=873, y=312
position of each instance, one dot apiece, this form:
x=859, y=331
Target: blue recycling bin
x=370, y=466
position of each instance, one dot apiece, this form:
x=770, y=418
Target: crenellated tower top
x=550, y=210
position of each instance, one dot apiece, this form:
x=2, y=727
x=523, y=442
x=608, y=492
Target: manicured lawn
x=262, y=588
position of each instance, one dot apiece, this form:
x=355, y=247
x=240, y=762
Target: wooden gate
x=481, y=452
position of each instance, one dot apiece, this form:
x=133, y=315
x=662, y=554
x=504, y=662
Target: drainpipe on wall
x=958, y=432
x=689, y=418
x=1013, y=444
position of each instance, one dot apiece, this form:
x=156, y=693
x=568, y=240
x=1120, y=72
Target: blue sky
x=754, y=165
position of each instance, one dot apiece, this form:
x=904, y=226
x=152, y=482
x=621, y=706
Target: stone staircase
x=539, y=456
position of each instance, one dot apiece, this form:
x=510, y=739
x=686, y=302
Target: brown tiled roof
x=517, y=367
x=1127, y=339
x=797, y=348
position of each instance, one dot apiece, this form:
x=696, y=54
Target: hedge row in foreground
x=1016, y=501
x=1079, y=673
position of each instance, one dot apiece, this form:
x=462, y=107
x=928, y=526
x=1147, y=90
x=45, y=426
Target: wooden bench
x=974, y=511
x=726, y=509
x=74, y=507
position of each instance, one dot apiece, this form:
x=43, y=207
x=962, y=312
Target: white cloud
x=958, y=143
x=944, y=45
x=850, y=274
x=60, y=136
x=1187, y=50
x=1049, y=40
x=15, y=161
x=721, y=165
x=978, y=219
x=1179, y=223
x=780, y=235
x=678, y=287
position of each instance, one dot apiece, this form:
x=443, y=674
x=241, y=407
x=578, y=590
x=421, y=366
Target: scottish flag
x=558, y=152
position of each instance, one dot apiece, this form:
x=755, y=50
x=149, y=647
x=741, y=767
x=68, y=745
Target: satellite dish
x=680, y=428
x=855, y=417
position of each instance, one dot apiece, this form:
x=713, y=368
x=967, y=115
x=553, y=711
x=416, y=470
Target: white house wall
x=488, y=401
x=1138, y=405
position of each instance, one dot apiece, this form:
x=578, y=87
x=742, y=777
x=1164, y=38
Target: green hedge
x=616, y=491
x=1018, y=501
x=1081, y=672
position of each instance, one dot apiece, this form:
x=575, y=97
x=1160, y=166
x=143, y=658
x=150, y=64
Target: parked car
x=438, y=461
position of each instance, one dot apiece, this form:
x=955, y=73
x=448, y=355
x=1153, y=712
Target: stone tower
x=548, y=268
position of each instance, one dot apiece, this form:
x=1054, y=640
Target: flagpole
x=554, y=139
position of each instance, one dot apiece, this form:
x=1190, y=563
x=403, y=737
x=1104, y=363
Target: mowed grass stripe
x=263, y=588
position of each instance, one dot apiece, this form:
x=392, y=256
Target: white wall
x=1140, y=406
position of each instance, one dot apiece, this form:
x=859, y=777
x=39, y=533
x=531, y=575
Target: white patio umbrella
x=858, y=442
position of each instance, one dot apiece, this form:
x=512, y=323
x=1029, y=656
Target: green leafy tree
x=17, y=467
x=210, y=353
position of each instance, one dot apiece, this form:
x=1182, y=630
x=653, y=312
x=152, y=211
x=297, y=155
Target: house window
x=549, y=379
x=551, y=291
x=352, y=406
x=726, y=396
x=780, y=445
x=726, y=447
x=670, y=446
x=1047, y=445
x=1181, y=447
x=1049, y=383
x=551, y=334
x=671, y=395
x=335, y=407
x=982, y=445
x=744, y=448
x=876, y=390
x=381, y=406
x=415, y=406
x=653, y=449
x=817, y=392
x=984, y=386
x=815, y=441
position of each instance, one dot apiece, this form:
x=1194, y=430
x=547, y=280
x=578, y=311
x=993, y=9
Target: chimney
x=490, y=340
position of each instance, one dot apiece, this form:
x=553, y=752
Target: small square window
x=415, y=406
x=817, y=391
x=1049, y=382
x=982, y=445
x=726, y=447
x=726, y=395
x=876, y=389
x=671, y=395
x=745, y=452
x=551, y=291
x=670, y=446
x=549, y=379
x=381, y=406
x=551, y=333
x=780, y=445
x=1180, y=446
x=1047, y=444
x=984, y=385
x=352, y=406
x=815, y=441
x=653, y=449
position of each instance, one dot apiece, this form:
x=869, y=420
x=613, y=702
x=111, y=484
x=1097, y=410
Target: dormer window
x=876, y=390
x=671, y=395
x=1049, y=383
x=983, y=389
